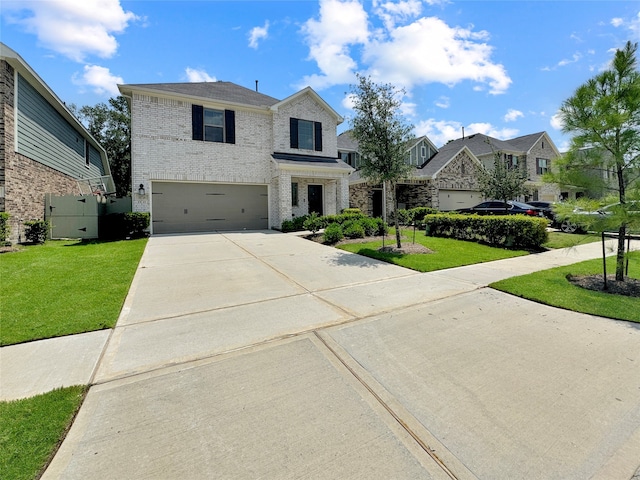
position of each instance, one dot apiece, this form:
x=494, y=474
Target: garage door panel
x=194, y=207
x=454, y=199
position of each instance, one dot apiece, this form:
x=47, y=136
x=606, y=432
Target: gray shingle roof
x=223, y=91
x=347, y=142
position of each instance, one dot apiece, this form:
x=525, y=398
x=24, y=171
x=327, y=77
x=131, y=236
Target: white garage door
x=454, y=199
x=207, y=207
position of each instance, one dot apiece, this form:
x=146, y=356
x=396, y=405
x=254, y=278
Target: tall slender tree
x=382, y=134
x=110, y=125
x=604, y=117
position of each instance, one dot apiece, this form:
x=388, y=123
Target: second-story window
x=542, y=166
x=305, y=134
x=211, y=125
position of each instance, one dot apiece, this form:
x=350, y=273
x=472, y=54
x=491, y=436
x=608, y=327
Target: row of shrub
x=509, y=231
x=351, y=223
x=414, y=215
x=117, y=226
x=35, y=231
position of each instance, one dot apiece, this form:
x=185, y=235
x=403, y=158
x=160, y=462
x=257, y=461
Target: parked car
x=572, y=226
x=496, y=207
x=547, y=211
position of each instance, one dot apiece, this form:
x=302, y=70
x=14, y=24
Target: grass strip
x=551, y=287
x=447, y=253
x=32, y=429
x=64, y=287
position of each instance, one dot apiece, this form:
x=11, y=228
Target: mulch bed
x=390, y=244
x=629, y=288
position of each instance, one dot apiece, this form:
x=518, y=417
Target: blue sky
x=496, y=67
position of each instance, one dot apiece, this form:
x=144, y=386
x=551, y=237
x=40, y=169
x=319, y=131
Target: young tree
x=110, y=125
x=604, y=116
x=502, y=183
x=382, y=133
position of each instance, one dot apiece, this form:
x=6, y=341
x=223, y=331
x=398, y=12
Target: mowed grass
x=551, y=287
x=31, y=429
x=447, y=253
x=64, y=287
x=567, y=240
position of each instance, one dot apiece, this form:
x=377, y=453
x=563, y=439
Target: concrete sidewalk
x=259, y=354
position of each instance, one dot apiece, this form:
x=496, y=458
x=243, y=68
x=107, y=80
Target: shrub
x=287, y=226
x=352, y=211
x=511, y=231
x=353, y=229
x=116, y=226
x=313, y=222
x=5, y=229
x=36, y=231
x=418, y=213
x=381, y=227
x=333, y=233
x=136, y=223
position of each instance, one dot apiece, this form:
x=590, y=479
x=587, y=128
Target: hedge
x=5, y=228
x=509, y=231
x=116, y=226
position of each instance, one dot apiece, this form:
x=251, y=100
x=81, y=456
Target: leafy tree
x=502, y=183
x=382, y=133
x=604, y=116
x=110, y=125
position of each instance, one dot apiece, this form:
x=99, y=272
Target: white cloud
x=198, y=75
x=415, y=52
x=258, y=33
x=99, y=79
x=443, y=102
x=512, y=115
x=72, y=28
x=556, y=122
x=393, y=12
x=341, y=24
x=616, y=22
x=632, y=24
x=576, y=57
x=429, y=50
x=441, y=131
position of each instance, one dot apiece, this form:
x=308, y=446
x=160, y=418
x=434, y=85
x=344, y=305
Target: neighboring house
x=448, y=180
x=43, y=147
x=217, y=156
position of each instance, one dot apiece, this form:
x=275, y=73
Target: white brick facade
x=162, y=149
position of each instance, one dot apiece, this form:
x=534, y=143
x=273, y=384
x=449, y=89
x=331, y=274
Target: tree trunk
x=395, y=213
x=622, y=232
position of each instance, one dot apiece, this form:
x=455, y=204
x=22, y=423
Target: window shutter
x=318, y=134
x=293, y=131
x=229, y=126
x=197, y=119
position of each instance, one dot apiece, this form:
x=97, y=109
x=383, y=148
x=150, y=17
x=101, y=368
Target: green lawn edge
x=551, y=287
x=65, y=287
x=447, y=252
x=32, y=429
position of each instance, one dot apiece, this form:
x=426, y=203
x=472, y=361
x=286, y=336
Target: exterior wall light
x=141, y=190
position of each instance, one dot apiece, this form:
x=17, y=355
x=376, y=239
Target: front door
x=315, y=199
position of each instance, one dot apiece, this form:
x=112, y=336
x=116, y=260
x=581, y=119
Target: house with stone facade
x=448, y=179
x=218, y=156
x=44, y=149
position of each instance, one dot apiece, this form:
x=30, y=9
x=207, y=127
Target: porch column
x=284, y=200
x=342, y=193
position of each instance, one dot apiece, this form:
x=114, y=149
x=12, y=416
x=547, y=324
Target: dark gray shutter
x=317, y=126
x=197, y=119
x=229, y=126
x=293, y=130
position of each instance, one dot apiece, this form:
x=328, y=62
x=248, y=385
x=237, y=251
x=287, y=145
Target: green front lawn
x=551, y=287
x=447, y=253
x=566, y=240
x=64, y=287
x=31, y=429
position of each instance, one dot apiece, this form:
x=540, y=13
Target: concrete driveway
x=264, y=355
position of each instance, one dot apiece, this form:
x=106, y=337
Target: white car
x=569, y=226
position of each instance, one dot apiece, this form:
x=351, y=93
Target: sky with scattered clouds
x=501, y=67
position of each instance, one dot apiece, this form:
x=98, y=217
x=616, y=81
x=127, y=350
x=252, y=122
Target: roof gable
x=310, y=92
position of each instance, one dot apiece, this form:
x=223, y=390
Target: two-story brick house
x=447, y=178
x=218, y=156
x=44, y=149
